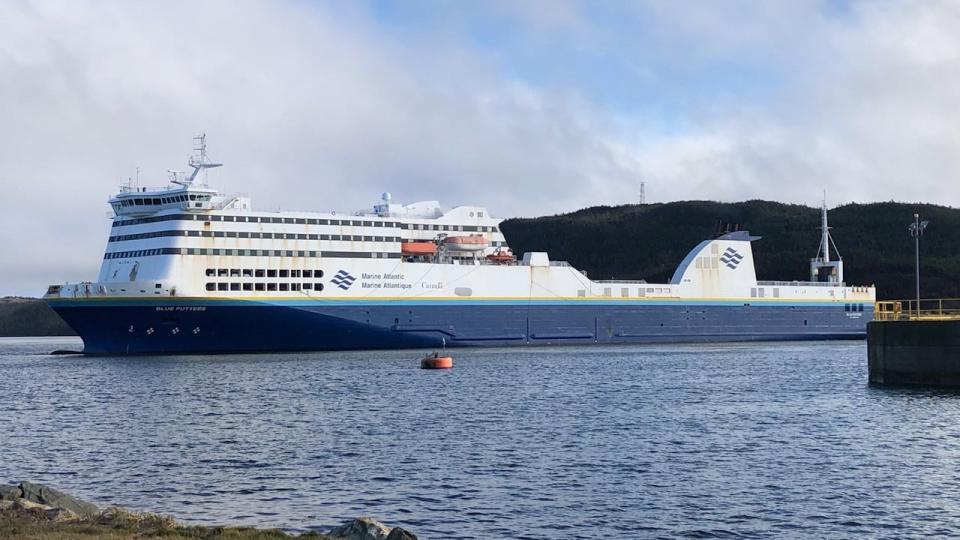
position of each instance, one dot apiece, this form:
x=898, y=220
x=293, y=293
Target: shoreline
x=34, y=511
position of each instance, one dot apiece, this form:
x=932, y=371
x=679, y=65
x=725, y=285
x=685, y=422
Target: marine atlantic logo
x=731, y=258
x=343, y=279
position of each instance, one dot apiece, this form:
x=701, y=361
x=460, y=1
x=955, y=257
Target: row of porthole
x=175, y=330
x=265, y=286
x=272, y=273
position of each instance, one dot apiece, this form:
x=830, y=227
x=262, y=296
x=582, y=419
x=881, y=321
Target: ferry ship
x=188, y=269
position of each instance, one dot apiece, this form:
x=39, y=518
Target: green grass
x=26, y=526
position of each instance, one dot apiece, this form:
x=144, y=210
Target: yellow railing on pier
x=931, y=309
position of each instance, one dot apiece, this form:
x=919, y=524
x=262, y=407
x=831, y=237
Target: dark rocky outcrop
x=10, y=493
x=48, y=496
x=399, y=533
x=363, y=528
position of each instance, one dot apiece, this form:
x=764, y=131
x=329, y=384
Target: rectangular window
x=211, y=286
x=295, y=273
x=284, y=286
x=308, y=273
x=211, y=272
x=259, y=286
x=223, y=272
x=258, y=273
x=247, y=272
x=294, y=286
x=606, y=291
x=271, y=286
x=234, y=286
x=318, y=286
x=625, y=292
x=271, y=273
x=221, y=286
x=308, y=286
x=248, y=286
x=234, y=272
x=284, y=273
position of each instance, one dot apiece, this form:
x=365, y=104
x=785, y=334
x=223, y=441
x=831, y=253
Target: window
x=258, y=273
x=284, y=286
x=294, y=286
x=211, y=272
x=308, y=273
x=307, y=286
x=271, y=273
x=318, y=273
x=284, y=273
x=295, y=273
x=211, y=286
x=248, y=286
x=234, y=286
x=625, y=292
x=606, y=291
x=223, y=271
x=247, y=272
x=259, y=286
x=318, y=287
x=271, y=286
x=234, y=272
x=221, y=286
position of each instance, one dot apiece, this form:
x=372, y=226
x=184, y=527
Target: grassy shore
x=26, y=525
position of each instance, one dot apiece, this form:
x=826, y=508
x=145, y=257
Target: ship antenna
x=822, y=260
x=198, y=161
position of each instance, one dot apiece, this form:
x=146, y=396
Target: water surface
x=755, y=440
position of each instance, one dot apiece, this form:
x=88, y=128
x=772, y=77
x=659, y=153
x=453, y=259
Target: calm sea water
x=758, y=440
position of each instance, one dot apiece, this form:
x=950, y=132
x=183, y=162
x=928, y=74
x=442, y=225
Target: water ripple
x=775, y=440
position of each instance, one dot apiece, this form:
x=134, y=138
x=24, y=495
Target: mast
x=823, y=269
x=825, y=231
x=198, y=160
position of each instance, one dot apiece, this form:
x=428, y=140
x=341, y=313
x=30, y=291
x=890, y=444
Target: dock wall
x=920, y=352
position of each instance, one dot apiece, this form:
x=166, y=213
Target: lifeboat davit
x=436, y=361
x=466, y=243
x=418, y=248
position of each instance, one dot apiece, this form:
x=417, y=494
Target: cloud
x=528, y=108
x=307, y=107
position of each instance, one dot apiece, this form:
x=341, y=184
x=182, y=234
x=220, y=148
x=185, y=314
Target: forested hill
x=649, y=241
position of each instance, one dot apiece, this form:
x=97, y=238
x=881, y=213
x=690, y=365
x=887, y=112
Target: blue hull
x=210, y=326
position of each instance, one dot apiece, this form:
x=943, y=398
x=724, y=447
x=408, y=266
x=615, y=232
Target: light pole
x=916, y=231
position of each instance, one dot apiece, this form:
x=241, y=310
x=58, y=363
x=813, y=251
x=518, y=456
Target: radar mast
x=821, y=267
x=198, y=161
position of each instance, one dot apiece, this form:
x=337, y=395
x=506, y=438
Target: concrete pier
x=921, y=351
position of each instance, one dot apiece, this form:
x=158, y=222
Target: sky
x=528, y=107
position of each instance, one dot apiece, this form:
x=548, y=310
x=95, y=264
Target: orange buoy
x=436, y=361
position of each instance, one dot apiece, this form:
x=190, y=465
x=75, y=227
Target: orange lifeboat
x=474, y=242
x=418, y=248
x=501, y=257
x=436, y=361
